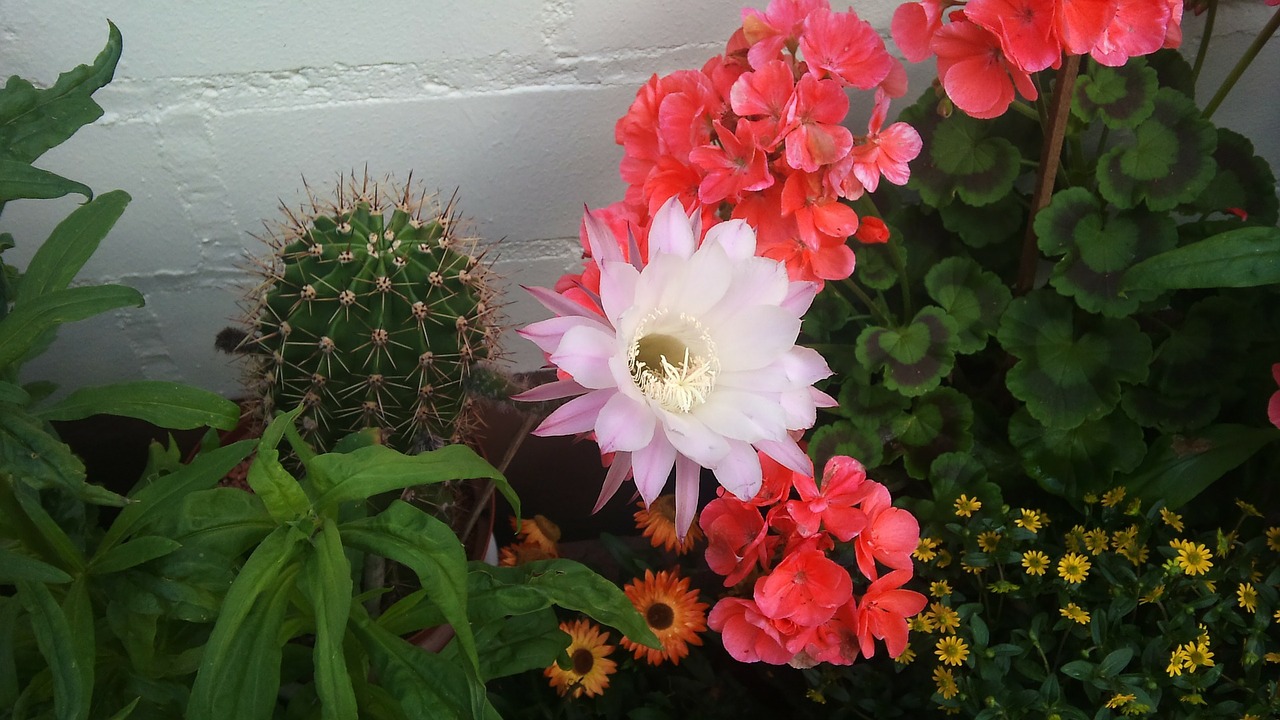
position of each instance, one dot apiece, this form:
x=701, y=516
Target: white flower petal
x=756, y=281
x=554, y=390
x=688, y=482
x=800, y=296
x=804, y=366
x=671, y=232
x=707, y=276
x=584, y=353
x=755, y=337
x=788, y=454
x=576, y=416
x=546, y=334
x=651, y=466
x=739, y=472
x=694, y=439
x=617, y=288
x=743, y=414
x=736, y=237
x=619, y=471
x=604, y=246
x=624, y=424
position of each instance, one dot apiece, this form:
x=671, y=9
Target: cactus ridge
x=372, y=311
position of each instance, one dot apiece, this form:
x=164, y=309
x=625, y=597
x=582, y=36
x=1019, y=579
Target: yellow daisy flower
x=944, y=558
x=1248, y=509
x=906, y=657
x=1074, y=567
x=946, y=681
x=1030, y=520
x=1097, y=541
x=673, y=613
x=1122, y=539
x=1171, y=518
x=1197, y=655
x=1273, y=538
x=1090, y=498
x=925, y=549
x=946, y=617
x=1075, y=613
x=1152, y=595
x=940, y=588
x=1120, y=700
x=967, y=506
x=1177, y=662
x=1193, y=558
x=952, y=650
x=1272, y=657
x=539, y=531
x=1113, y=497
x=922, y=623
x=589, y=664
x=658, y=523
x=1035, y=562
x=1247, y=597
x=988, y=541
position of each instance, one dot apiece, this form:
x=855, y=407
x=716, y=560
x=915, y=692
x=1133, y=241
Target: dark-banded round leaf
x=955, y=473
x=1166, y=162
x=1173, y=71
x=982, y=165
x=1072, y=461
x=829, y=313
x=1056, y=225
x=973, y=297
x=1168, y=412
x=1093, y=271
x=866, y=402
x=914, y=358
x=846, y=438
x=1121, y=96
x=987, y=225
x=1069, y=370
x=940, y=422
x=876, y=268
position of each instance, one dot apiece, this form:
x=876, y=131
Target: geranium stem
x=1243, y=64
x=1203, y=51
x=1050, y=159
x=872, y=305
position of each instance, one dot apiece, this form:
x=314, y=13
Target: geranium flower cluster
x=756, y=134
x=805, y=607
x=987, y=49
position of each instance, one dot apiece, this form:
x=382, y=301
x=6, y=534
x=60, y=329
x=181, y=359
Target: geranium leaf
x=1121, y=96
x=1069, y=462
x=982, y=226
x=1057, y=223
x=1173, y=71
x=1092, y=272
x=1245, y=257
x=1180, y=467
x=1068, y=371
x=982, y=165
x=1244, y=182
x=914, y=358
x=1167, y=161
x=846, y=438
x=829, y=313
x=938, y=423
x=973, y=297
x=865, y=402
x=876, y=268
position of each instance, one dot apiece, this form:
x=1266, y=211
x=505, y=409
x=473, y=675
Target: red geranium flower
x=845, y=47
x=974, y=71
x=806, y=587
x=890, y=536
x=883, y=611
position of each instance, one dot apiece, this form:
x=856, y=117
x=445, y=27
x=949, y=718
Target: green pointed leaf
x=855, y=440
x=164, y=404
x=1069, y=370
x=25, y=325
x=239, y=676
x=19, y=180
x=425, y=684
x=1180, y=467
x=938, y=423
x=132, y=553
x=370, y=471
x=520, y=643
x=29, y=523
x=1115, y=661
x=71, y=244
x=224, y=520
x=915, y=358
x=1247, y=257
x=1122, y=97
x=11, y=394
x=1167, y=162
x=974, y=298
x=980, y=227
x=55, y=631
x=326, y=581
x=127, y=710
x=32, y=120
x=15, y=566
x=1072, y=461
x=283, y=497
x=982, y=165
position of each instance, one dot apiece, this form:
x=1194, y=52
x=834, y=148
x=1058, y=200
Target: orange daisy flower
x=673, y=613
x=589, y=664
x=521, y=553
x=538, y=531
x=658, y=522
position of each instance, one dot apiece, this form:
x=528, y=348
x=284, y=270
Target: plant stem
x=1050, y=158
x=1203, y=51
x=1243, y=64
x=482, y=500
x=866, y=300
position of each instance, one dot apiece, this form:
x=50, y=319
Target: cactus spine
x=371, y=321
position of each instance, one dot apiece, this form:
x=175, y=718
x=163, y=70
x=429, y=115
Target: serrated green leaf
x=326, y=581
x=980, y=227
x=1180, y=467
x=982, y=166
x=915, y=358
x=1168, y=162
x=876, y=267
x=1122, y=97
x=71, y=244
x=15, y=566
x=938, y=423
x=19, y=180
x=132, y=553
x=240, y=673
x=974, y=298
x=369, y=471
x=32, y=121
x=28, y=322
x=1247, y=257
x=1069, y=462
x=165, y=404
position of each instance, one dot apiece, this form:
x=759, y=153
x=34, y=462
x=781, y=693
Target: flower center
x=583, y=661
x=673, y=361
x=660, y=616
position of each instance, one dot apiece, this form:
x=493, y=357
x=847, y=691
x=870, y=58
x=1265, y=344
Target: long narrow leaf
x=1246, y=257
x=24, y=326
x=132, y=553
x=39, y=460
x=71, y=244
x=1177, y=469
x=372, y=470
x=16, y=566
x=326, y=580
x=165, y=404
x=20, y=180
x=55, y=638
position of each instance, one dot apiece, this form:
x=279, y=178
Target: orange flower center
x=583, y=661
x=660, y=616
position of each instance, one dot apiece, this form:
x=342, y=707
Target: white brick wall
x=220, y=108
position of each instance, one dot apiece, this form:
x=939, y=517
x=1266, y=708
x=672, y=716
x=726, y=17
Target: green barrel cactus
x=373, y=311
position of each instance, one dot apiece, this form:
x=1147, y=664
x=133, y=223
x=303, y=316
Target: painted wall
x=219, y=109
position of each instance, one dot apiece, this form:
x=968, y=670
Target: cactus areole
x=371, y=314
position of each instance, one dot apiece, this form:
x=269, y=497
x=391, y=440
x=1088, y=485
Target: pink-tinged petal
x=651, y=466
x=576, y=416
x=800, y=296
x=746, y=415
x=618, y=473
x=617, y=287
x=739, y=471
x=788, y=454
x=554, y=390
x=821, y=399
x=708, y=275
x=798, y=408
x=671, y=231
x=692, y=438
x=688, y=477
x=755, y=337
x=584, y=353
x=736, y=237
x=603, y=244
x=912, y=27
x=624, y=425
x=546, y=334
x=560, y=305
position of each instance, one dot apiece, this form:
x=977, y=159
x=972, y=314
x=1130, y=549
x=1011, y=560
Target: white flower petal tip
x=671, y=231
